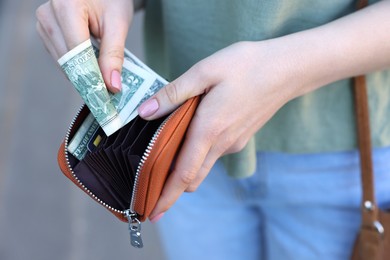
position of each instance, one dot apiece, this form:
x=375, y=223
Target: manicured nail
x=116, y=81
x=148, y=108
x=157, y=218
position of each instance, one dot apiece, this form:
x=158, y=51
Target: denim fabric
x=294, y=207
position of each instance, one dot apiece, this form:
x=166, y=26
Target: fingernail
x=148, y=108
x=157, y=218
x=116, y=81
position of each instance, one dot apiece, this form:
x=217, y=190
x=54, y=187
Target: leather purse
x=373, y=241
x=126, y=171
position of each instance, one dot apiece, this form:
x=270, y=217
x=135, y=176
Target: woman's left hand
x=242, y=86
x=245, y=84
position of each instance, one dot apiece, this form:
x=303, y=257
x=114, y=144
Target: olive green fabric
x=179, y=33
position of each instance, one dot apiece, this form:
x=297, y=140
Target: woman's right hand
x=64, y=24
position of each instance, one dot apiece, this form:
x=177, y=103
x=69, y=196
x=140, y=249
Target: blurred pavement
x=42, y=215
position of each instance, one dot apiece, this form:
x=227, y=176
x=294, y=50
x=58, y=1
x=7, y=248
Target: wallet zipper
x=130, y=214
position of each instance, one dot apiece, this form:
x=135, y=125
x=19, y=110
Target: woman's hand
x=242, y=87
x=63, y=24
x=245, y=84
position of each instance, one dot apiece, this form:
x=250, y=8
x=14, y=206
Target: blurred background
x=42, y=214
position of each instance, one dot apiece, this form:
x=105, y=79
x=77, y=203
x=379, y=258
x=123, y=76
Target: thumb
x=173, y=95
x=112, y=52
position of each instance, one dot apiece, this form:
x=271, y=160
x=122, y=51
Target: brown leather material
x=370, y=244
x=156, y=166
x=364, y=142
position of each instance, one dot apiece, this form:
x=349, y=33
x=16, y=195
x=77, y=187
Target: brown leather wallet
x=127, y=170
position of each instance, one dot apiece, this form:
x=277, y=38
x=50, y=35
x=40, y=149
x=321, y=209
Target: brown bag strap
x=370, y=211
x=363, y=131
x=371, y=230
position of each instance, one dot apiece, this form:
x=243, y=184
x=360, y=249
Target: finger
x=112, y=49
x=72, y=18
x=50, y=31
x=195, y=81
x=208, y=163
x=49, y=47
x=188, y=164
x=222, y=144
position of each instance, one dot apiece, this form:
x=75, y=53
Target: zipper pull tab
x=134, y=229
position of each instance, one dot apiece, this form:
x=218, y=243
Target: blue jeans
x=294, y=207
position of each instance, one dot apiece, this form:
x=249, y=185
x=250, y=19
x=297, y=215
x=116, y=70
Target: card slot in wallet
x=121, y=162
x=109, y=146
x=110, y=142
x=117, y=178
x=113, y=158
x=124, y=180
x=121, y=176
x=124, y=175
x=140, y=143
x=103, y=166
x=130, y=133
x=138, y=128
x=143, y=136
x=105, y=175
x=87, y=175
x=122, y=133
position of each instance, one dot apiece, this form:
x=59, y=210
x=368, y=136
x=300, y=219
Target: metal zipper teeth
x=71, y=169
x=145, y=156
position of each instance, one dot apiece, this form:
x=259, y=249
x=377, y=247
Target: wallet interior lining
x=109, y=170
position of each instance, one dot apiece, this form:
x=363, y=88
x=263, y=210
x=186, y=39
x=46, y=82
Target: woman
x=276, y=98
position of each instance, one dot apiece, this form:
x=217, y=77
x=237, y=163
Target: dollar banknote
x=82, y=69
x=132, y=68
x=157, y=84
x=112, y=111
x=136, y=83
x=78, y=146
x=154, y=88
